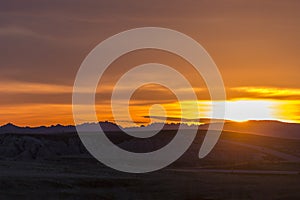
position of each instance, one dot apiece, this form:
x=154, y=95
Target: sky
x=255, y=44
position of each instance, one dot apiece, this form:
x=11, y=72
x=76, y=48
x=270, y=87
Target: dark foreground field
x=241, y=166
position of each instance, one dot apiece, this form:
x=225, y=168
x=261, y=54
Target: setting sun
x=236, y=110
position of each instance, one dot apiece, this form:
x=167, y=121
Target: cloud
x=268, y=92
x=17, y=31
x=33, y=88
x=185, y=120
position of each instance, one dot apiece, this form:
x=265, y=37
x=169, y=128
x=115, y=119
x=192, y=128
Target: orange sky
x=255, y=45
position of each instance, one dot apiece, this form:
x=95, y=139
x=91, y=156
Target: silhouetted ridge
x=258, y=127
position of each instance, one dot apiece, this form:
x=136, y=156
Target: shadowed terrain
x=241, y=166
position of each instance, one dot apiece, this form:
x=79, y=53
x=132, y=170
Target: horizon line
x=168, y=123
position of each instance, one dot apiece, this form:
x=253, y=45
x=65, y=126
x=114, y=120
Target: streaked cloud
x=269, y=92
x=33, y=88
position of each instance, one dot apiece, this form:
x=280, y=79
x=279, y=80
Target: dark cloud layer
x=45, y=41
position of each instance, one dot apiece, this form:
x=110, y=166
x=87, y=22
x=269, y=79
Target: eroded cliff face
x=24, y=147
